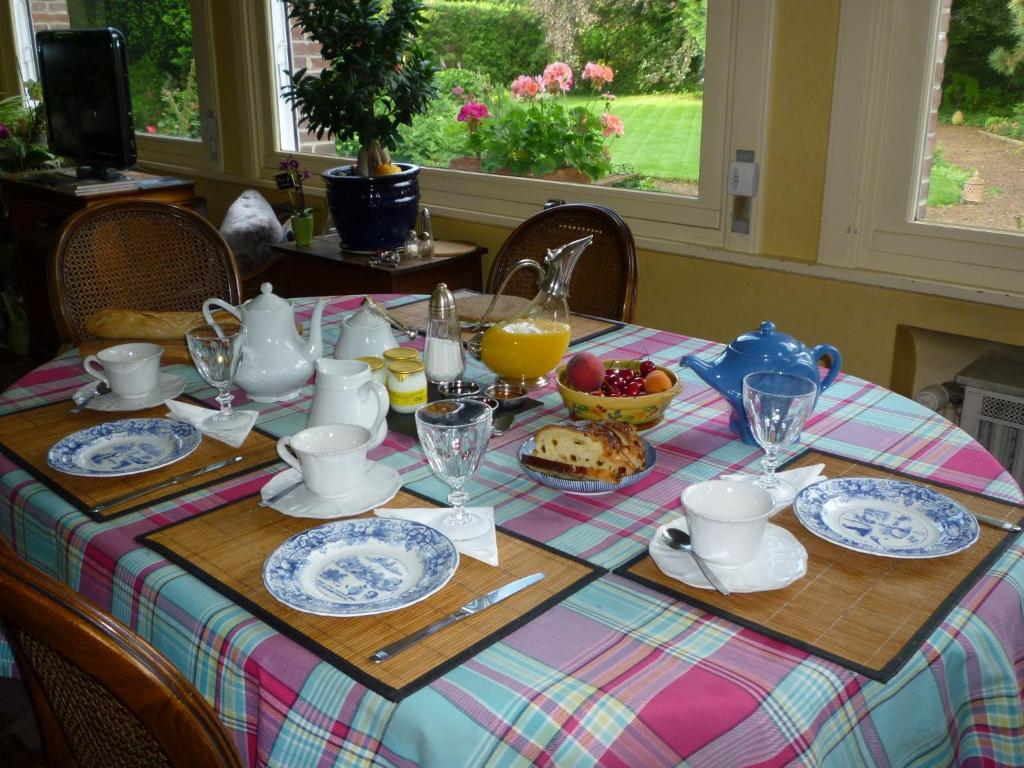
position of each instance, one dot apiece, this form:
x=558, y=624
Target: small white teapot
x=364, y=333
x=347, y=394
x=276, y=361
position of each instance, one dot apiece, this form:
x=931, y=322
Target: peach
x=584, y=372
x=656, y=381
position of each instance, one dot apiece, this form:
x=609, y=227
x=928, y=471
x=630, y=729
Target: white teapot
x=364, y=333
x=276, y=361
x=347, y=394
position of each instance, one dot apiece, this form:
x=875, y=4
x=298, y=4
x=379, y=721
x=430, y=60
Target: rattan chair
x=137, y=255
x=102, y=695
x=604, y=282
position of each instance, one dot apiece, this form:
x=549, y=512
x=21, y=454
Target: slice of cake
x=592, y=450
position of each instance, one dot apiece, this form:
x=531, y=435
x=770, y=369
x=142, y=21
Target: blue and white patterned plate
x=360, y=567
x=890, y=518
x=587, y=487
x=125, y=447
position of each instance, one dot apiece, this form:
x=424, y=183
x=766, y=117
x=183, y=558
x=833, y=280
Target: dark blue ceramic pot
x=374, y=213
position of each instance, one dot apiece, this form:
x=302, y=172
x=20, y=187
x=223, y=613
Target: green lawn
x=661, y=136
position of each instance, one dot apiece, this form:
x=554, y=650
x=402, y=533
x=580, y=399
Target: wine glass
x=454, y=435
x=217, y=351
x=777, y=405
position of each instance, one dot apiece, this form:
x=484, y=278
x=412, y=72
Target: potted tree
x=377, y=79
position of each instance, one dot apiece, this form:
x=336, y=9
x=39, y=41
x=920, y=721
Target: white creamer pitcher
x=347, y=394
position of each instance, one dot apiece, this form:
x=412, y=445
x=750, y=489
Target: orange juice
x=526, y=347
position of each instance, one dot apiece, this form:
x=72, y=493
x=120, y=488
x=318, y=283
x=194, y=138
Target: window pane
x=973, y=171
x=605, y=91
x=161, y=64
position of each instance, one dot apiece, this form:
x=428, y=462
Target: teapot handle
x=208, y=311
x=827, y=350
x=383, y=403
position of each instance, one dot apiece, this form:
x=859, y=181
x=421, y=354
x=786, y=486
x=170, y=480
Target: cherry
x=646, y=367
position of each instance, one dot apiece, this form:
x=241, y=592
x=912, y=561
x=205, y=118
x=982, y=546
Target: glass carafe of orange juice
x=526, y=348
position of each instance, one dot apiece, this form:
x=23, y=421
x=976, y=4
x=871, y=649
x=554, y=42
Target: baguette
x=145, y=326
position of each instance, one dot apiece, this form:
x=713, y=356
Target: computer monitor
x=84, y=78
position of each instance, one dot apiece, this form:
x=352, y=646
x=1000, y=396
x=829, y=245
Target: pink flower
x=598, y=74
x=5, y=132
x=524, y=87
x=457, y=90
x=557, y=77
x=612, y=125
x=473, y=110
x=150, y=129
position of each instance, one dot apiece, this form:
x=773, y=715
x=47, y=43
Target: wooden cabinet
x=323, y=269
x=36, y=214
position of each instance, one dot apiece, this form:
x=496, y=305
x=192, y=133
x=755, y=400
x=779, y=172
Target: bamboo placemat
x=471, y=307
x=864, y=612
x=26, y=436
x=227, y=547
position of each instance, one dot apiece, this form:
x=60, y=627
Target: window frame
x=734, y=116
x=169, y=153
x=877, y=147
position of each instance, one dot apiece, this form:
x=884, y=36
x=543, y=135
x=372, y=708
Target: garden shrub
x=499, y=40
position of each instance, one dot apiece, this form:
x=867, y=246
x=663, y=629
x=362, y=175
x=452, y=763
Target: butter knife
x=474, y=606
x=280, y=494
x=1004, y=525
x=164, y=484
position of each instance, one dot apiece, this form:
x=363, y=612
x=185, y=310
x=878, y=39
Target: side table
x=322, y=268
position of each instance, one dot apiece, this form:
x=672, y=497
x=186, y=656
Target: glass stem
x=458, y=498
x=224, y=398
x=768, y=463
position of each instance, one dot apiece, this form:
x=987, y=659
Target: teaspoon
x=83, y=400
x=676, y=538
x=502, y=424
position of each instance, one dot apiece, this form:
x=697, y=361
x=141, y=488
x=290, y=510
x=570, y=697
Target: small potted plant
x=290, y=178
x=377, y=79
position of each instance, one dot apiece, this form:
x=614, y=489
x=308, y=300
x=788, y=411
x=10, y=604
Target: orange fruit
x=386, y=169
x=656, y=381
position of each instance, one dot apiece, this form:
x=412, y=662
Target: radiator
x=996, y=420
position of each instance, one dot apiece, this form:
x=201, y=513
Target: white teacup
x=130, y=370
x=331, y=458
x=727, y=520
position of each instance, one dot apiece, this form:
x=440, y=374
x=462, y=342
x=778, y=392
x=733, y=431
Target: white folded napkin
x=483, y=547
x=195, y=415
x=800, y=477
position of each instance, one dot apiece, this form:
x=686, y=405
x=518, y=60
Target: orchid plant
x=290, y=178
x=534, y=130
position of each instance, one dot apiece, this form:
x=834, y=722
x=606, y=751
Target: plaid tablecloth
x=616, y=675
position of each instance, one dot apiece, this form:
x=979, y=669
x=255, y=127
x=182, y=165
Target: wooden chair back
x=137, y=254
x=604, y=282
x=103, y=696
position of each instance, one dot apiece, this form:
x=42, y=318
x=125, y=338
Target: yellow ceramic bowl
x=641, y=411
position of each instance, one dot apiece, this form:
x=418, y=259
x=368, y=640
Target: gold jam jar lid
x=402, y=369
x=400, y=353
x=375, y=363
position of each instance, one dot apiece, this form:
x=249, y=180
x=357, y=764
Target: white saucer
x=168, y=387
x=378, y=487
x=781, y=561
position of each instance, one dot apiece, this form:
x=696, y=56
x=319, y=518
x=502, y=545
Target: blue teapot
x=762, y=350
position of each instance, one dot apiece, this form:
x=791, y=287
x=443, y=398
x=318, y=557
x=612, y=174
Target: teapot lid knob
x=767, y=327
x=266, y=288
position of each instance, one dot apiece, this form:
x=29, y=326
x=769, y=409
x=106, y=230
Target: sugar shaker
x=443, y=355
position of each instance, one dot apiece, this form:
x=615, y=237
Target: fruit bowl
x=642, y=411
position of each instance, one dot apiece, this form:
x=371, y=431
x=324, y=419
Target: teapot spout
x=315, y=341
x=702, y=369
